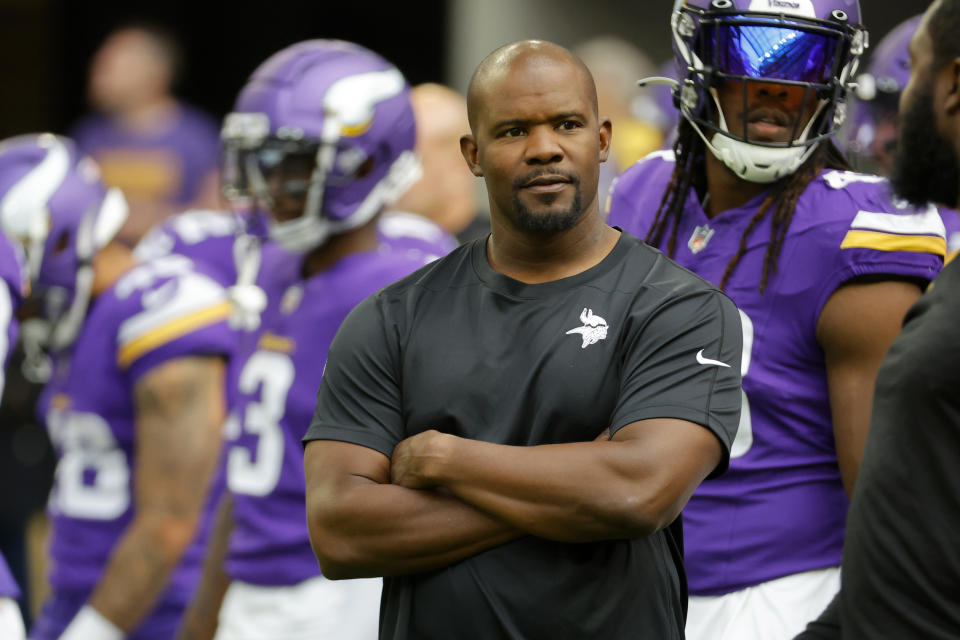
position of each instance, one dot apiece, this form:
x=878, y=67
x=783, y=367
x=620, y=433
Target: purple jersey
x=277, y=375
x=781, y=507
x=162, y=166
x=160, y=310
x=417, y=236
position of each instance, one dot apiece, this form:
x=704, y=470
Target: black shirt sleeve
x=683, y=361
x=359, y=399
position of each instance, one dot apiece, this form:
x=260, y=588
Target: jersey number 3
x=256, y=471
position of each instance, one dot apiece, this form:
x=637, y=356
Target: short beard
x=526, y=220
x=925, y=168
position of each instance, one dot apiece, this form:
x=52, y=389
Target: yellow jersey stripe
x=272, y=342
x=892, y=242
x=171, y=331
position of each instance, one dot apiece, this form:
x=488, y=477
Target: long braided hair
x=782, y=200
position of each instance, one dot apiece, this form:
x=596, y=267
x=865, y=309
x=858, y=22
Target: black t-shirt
x=901, y=559
x=463, y=349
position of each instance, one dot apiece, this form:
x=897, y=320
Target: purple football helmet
x=809, y=48
x=53, y=202
x=323, y=122
x=871, y=134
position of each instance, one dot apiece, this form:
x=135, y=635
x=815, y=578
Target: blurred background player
x=445, y=193
x=423, y=222
x=13, y=288
x=161, y=152
x=871, y=134
x=320, y=140
x=823, y=264
x=134, y=406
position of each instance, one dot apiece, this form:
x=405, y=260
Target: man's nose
x=543, y=147
x=766, y=90
x=785, y=94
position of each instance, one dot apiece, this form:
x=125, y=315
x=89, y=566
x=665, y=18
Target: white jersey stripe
x=171, y=301
x=927, y=223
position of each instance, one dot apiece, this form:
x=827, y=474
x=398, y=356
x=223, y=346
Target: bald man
x=509, y=434
x=445, y=192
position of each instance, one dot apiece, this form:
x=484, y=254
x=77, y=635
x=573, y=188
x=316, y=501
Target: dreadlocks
x=782, y=200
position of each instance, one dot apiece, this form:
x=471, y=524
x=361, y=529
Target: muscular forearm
x=372, y=529
x=139, y=568
x=573, y=492
x=200, y=619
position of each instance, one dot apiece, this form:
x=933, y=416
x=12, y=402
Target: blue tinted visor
x=771, y=52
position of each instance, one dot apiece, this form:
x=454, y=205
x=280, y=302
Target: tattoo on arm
x=179, y=411
x=200, y=620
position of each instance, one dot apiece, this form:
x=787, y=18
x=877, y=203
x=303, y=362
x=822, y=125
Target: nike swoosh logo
x=703, y=360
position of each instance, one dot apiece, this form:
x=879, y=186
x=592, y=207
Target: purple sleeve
x=185, y=315
x=874, y=236
x=216, y=339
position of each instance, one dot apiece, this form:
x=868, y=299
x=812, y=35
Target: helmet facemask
x=319, y=185
x=799, y=66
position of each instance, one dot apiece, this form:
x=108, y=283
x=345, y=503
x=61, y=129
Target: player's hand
x=416, y=460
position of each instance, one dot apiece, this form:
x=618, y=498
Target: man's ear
x=468, y=147
x=606, y=134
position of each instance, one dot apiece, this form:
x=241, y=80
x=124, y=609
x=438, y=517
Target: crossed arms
x=442, y=498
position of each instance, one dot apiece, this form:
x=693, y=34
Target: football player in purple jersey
x=319, y=142
x=13, y=288
x=823, y=264
x=872, y=130
x=134, y=405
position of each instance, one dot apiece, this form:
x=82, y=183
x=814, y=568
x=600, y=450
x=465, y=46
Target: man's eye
x=512, y=133
x=569, y=125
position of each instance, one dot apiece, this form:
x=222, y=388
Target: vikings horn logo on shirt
x=594, y=328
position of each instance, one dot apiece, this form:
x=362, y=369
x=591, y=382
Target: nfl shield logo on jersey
x=699, y=238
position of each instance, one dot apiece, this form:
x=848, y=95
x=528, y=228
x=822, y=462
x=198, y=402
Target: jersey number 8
x=92, y=478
